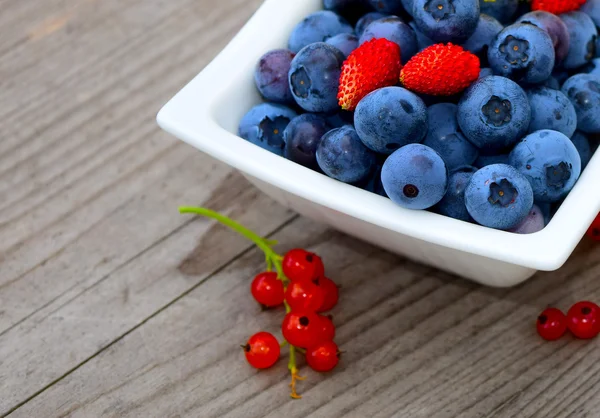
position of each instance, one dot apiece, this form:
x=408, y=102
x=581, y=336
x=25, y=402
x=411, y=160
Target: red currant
x=594, y=231
x=583, y=319
x=327, y=329
x=301, y=329
x=262, y=350
x=304, y=296
x=323, y=357
x=551, y=324
x=331, y=293
x=267, y=289
x=302, y=265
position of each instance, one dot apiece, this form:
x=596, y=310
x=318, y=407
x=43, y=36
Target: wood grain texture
x=113, y=305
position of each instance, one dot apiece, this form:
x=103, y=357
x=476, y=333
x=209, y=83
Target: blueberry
x=373, y=182
x=271, y=76
x=446, y=20
x=551, y=109
x=582, y=39
x=342, y=156
x=317, y=27
x=264, y=124
x=366, y=20
x=494, y=113
x=339, y=119
x=408, y=6
x=584, y=149
x=415, y=177
x=422, y=40
x=387, y=6
x=302, y=137
x=487, y=29
x=522, y=52
x=444, y=136
x=502, y=10
x=498, y=196
x=592, y=9
x=593, y=67
x=314, y=77
x=550, y=162
x=485, y=160
x=584, y=92
x=561, y=75
x=453, y=202
x=533, y=222
x=484, y=72
x=546, y=209
x=395, y=30
x=551, y=82
x=345, y=42
x=390, y=118
x=554, y=26
x=349, y=9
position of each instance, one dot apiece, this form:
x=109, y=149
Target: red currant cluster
x=582, y=319
x=306, y=293
x=298, y=282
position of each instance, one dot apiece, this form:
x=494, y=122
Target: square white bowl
x=206, y=113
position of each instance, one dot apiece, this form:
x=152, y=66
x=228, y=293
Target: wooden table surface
x=114, y=305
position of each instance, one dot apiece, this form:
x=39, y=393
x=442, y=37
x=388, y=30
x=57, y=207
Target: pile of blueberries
x=503, y=154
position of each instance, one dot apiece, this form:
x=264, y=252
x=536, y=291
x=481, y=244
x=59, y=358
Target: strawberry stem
x=272, y=259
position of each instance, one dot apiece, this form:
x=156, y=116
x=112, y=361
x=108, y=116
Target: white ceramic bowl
x=206, y=113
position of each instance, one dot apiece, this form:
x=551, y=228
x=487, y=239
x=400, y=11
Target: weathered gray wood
x=112, y=304
x=418, y=344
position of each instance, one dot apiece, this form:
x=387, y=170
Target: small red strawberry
x=440, y=70
x=373, y=65
x=557, y=6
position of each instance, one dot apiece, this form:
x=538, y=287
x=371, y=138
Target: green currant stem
x=272, y=259
x=260, y=242
x=292, y=360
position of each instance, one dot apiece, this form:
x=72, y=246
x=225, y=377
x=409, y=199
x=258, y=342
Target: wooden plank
x=417, y=343
x=130, y=272
x=111, y=304
x=89, y=184
x=69, y=197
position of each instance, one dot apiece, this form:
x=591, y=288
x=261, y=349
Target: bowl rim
x=191, y=115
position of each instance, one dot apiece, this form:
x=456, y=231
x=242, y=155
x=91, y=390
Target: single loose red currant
x=262, y=350
x=594, y=230
x=583, y=319
x=331, y=294
x=301, y=329
x=304, y=296
x=267, y=289
x=300, y=265
x=327, y=329
x=551, y=324
x=323, y=357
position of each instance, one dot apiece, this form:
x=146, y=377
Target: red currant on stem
x=301, y=328
x=267, y=289
x=594, y=230
x=583, y=319
x=323, y=357
x=551, y=324
x=301, y=265
x=262, y=350
x=304, y=296
x=330, y=292
x=326, y=329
